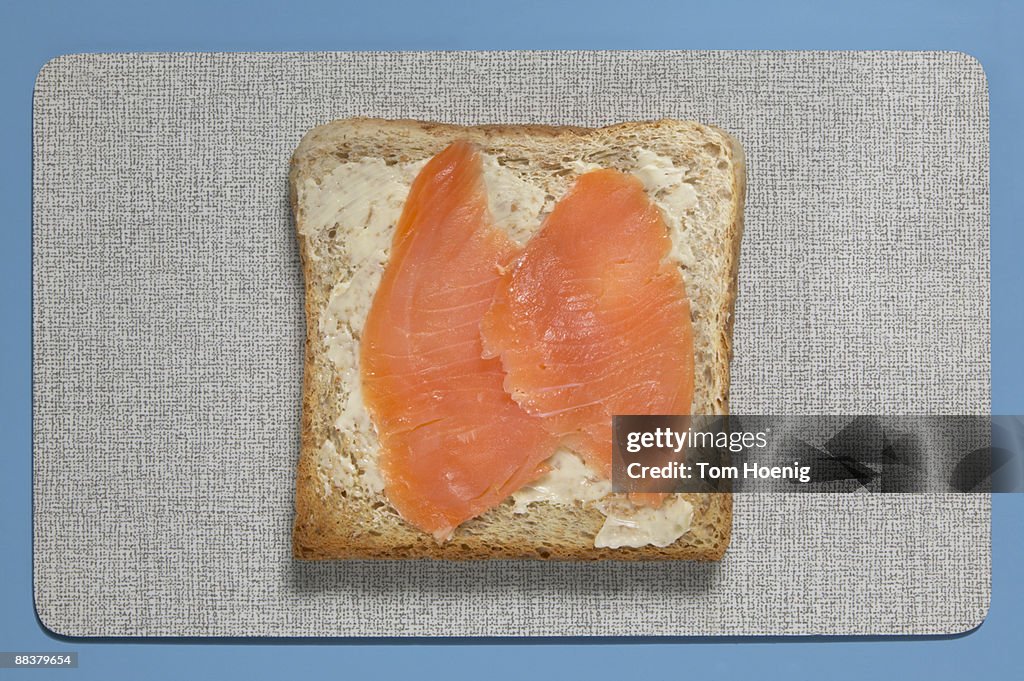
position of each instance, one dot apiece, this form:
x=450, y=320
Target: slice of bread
x=348, y=182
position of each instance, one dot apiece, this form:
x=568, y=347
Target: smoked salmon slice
x=453, y=442
x=592, y=319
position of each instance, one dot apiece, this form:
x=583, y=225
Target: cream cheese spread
x=629, y=525
x=361, y=201
x=569, y=481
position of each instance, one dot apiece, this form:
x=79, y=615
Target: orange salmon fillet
x=453, y=442
x=592, y=319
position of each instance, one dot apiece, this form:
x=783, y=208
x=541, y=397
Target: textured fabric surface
x=168, y=331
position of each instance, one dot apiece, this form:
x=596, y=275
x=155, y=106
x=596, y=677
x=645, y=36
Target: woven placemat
x=168, y=331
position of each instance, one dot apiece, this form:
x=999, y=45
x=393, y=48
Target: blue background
x=34, y=32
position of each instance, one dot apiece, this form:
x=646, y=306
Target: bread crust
x=332, y=524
